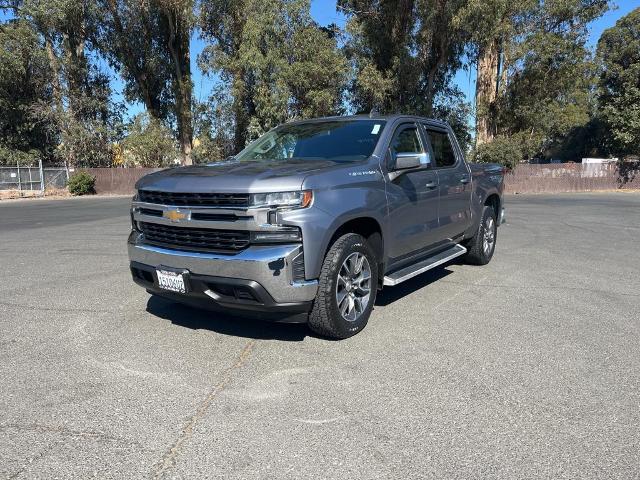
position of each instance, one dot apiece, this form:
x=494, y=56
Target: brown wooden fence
x=118, y=181
x=552, y=178
x=572, y=177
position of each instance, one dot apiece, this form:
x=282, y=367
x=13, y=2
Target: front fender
x=331, y=209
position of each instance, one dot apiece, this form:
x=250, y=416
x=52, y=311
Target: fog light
x=279, y=236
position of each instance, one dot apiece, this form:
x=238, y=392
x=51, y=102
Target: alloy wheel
x=353, y=288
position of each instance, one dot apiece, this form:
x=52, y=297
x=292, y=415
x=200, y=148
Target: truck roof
x=374, y=116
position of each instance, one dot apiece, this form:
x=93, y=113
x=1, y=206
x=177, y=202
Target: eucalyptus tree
x=79, y=116
x=274, y=61
x=148, y=43
x=619, y=84
x=25, y=79
x=404, y=52
x=515, y=39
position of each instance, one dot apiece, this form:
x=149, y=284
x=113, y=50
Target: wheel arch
x=368, y=227
x=494, y=202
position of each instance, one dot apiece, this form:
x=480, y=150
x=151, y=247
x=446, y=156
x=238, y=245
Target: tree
x=505, y=32
x=491, y=25
x=149, y=143
x=78, y=114
x=275, y=61
x=619, y=84
x=148, y=42
x=24, y=81
x=548, y=94
x=404, y=52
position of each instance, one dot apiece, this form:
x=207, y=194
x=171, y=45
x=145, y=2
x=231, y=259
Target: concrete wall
x=552, y=178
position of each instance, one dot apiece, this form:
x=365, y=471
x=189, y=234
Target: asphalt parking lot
x=526, y=368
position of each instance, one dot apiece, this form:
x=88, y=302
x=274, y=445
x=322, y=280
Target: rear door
x=412, y=196
x=454, y=183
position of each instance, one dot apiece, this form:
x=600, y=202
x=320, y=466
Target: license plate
x=171, y=281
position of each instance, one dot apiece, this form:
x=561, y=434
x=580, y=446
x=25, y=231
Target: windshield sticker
x=376, y=129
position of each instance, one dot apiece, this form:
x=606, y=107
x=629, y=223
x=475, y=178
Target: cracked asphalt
x=528, y=367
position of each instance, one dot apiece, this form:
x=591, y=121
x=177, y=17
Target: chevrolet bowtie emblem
x=175, y=215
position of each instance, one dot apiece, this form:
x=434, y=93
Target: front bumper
x=265, y=272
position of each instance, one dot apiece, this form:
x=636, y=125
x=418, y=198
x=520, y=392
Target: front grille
x=151, y=212
x=194, y=239
x=224, y=200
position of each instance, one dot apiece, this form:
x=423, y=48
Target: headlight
x=299, y=199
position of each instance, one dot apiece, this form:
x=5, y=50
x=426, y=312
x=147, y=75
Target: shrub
x=149, y=143
x=506, y=151
x=82, y=183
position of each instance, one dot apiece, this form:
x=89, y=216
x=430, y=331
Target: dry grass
x=9, y=194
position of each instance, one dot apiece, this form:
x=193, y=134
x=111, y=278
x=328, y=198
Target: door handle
x=431, y=185
x=465, y=179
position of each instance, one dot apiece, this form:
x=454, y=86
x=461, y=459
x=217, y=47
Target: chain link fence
x=33, y=180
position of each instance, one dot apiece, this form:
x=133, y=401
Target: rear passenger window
x=442, y=149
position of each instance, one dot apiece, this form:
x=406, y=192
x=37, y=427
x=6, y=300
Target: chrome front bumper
x=269, y=265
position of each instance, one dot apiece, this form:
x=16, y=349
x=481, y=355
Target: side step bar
x=422, y=266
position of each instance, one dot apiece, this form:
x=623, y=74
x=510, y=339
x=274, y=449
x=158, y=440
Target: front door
x=454, y=180
x=412, y=197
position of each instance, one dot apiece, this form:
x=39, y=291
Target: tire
x=478, y=251
x=331, y=317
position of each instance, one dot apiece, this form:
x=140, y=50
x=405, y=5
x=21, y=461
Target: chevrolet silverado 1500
x=309, y=221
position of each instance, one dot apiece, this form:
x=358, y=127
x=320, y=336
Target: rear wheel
x=346, y=289
x=482, y=245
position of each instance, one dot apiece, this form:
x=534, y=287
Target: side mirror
x=405, y=161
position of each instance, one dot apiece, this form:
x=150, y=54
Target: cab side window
x=405, y=140
x=443, y=153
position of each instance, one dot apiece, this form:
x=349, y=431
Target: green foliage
x=213, y=128
x=13, y=157
x=506, y=151
x=451, y=107
x=541, y=93
x=63, y=98
x=619, y=86
x=148, y=43
x=24, y=82
x=404, y=52
x=148, y=144
x=82, y=183
x=277, y=63
x=548, y=94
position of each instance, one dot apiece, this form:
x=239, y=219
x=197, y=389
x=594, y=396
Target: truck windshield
x=338, y=141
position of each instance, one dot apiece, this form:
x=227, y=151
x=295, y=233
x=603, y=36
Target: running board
x=422, y=266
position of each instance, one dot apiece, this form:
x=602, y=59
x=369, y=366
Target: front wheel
x=482, y=245
x=346, y=289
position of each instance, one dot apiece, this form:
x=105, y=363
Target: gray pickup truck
x=308, y=222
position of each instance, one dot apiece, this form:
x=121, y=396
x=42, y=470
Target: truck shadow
x=225, y=324
x=247, y=327
x=391, y=294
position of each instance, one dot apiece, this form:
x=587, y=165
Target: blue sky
x=324, y=12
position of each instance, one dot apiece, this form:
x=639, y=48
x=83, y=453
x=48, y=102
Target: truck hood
x=234, y=176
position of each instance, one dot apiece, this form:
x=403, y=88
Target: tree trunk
x=178, y=44
x=486, y=92
x=55, y=74
x=240, y=113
